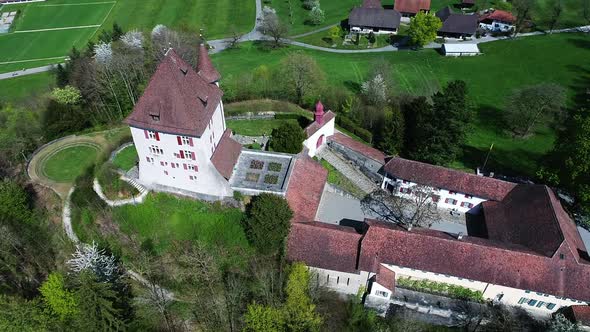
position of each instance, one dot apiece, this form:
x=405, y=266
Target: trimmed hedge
x=349, y=125
x=440, y=288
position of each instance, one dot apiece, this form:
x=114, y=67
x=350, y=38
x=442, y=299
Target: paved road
x=25, y=72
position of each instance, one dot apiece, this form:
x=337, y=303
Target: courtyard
x=257, y=172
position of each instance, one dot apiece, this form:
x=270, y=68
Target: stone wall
x=371, y=168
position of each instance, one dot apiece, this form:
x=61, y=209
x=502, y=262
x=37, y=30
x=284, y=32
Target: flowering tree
x=103, y=53
x=316, y=15
x=133, y=39
x=91, y=258
x=375, y=90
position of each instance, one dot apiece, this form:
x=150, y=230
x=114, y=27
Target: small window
x=561, y=256
x=522, y=300
x=550, y=306
x=532, y=303
x=468, y=196
x=452, y=192
x=435, y=198
x=382, y=293
x=540, y=304
x=155, y=117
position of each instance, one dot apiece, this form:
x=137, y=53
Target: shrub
x=256, y=164
x=275, y=167
x=287, y=138
x=316, y=15
x=346, y=123
x=267, y=222
x=271, y=179
x=310, y=4
x=252, y=177
x=441, y=288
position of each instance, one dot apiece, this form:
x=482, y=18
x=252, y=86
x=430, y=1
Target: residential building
x=457, y=25
x=497, y=21
x=451, y=189
x=409, y=8
x=178, y=127
x=370, y=18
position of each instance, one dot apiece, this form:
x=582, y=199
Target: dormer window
x=155, y=117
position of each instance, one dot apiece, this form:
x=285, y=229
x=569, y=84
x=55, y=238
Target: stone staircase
x=348, y=170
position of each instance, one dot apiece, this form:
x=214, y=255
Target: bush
x=316, y=15
x=310, y=4
x=267, y=222
x=348, y=124
x=287, y=138
x=440, y=288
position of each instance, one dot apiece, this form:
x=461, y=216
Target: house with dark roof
x=372, y=17
x=457, y=25
x=497, y=21
x=409, y=8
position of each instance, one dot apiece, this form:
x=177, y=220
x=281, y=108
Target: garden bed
x=275, y=167
x=440, y=288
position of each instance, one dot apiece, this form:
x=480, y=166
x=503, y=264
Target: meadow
x=505, y=66
x=20, y=89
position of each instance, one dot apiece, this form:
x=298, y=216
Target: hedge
x=349, y=125
x=440, y=288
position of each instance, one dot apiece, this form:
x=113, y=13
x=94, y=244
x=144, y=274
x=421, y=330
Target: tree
x=418, y=209
x=93, y=259
x=235, y=37
x=61, y=301
x=533, y=105
x=310, y=4
x=423, y=28
x=301, y=75
x=391, y=133
x=436, y=133
x=359, y=319
x=586, y=10
x=272, y=26
x=335, y=32
x=267, y=222
x=569, y=161
x=316, y=15
x=67, y=95
x=97, y=309
x=61, y=76
x=559, y=323
x=261, y=318
x=299, y=311
x=375, y=90
x=288, y=138
x=522, y=10
x=554, y=15
x=117, y=32
x=20, y=315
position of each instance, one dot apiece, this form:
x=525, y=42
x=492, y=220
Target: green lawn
x=256, y=127
x=164, y=218
x=324, y=39
x=67, y=164
x=338, y=179
x=31, y=49
x=571, y=16
x=505, y=65
x=335, y=11
x=126, y=158
x=19, y=89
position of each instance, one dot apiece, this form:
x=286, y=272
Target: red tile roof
x=498, y=15
x=183, y=100
x=358, y=147
x=322, y=245
x=205, y=67
x=525, y=209
x=306, y=188
x=385, y=277
x=411, y=6
x=314, y=126
x=581, y=314
x=226, y=155
x=440, y=177
x=473, y=258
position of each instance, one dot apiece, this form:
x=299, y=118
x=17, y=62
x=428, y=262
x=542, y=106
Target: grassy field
x=126, y=158
x=505, y=66
x=164, y=219
x=78, y=21
x=18, y=89
x=65, y=165
x=256, y=127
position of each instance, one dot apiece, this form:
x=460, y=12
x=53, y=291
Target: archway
x=320, y=142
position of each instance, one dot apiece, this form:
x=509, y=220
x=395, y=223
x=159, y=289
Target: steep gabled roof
x=531, y=215
x=440, y=177
x=457, y=23
x=411, y=6
x=205, y=67
x=177, y=100
x=306, y=188
x=315, y=126
x=498, y=15
x=322, y=245
x=226, y=155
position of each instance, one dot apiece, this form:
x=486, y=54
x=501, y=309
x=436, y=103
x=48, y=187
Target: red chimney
x=205, y=67
x=319, y=113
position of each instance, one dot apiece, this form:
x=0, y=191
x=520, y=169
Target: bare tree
x=415, y=209
x=301, y=75
x=272, y=26
x=235, y=292
x=522, y=9
x=235, y=37
x=556, y=11
x=469, y=315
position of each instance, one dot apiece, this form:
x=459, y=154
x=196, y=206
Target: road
x=25, y=72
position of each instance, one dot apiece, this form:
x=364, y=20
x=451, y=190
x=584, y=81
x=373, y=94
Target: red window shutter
x=173, y=165
x=157, y=136
x=145, y=132
x=181, y=154
x=179, y=140
x=190, y=141
x=148, y=159
x=185, y=167
x=196, y=168
x=193, y=156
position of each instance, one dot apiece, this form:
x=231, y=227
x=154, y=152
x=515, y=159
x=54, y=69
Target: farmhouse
x=497, y=21
x=456, y=25
x=409, y=8
x=371, y=17
x=462, y=49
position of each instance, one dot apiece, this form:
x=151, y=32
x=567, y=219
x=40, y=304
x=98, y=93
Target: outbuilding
x=460, y=49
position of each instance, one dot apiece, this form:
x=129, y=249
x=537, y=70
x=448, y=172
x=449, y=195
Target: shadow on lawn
x=580, y=42
x=515, y=163
x=581, y=86
x=491, y=118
